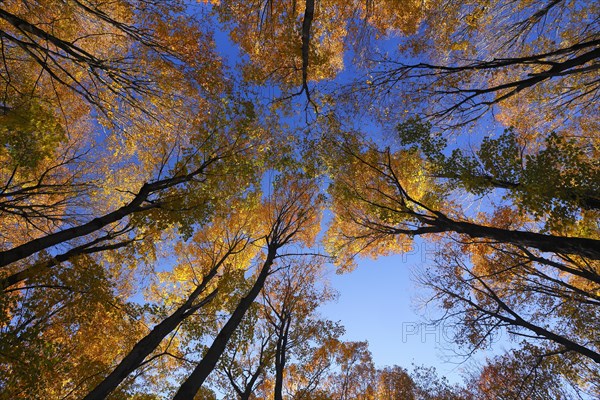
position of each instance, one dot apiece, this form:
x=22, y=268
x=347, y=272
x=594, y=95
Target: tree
x=355, y=379
x=96, y=50
x=492, y=272
x=141, y=243
x=509, y=59
x=284, y=349
x=62, y=331
x=528, y=373
x=394, y=383
x=503, y=288
x=429, y=386
x=87, y=205
x=290, y=218
x=215, y=250
x=69, y=68
x=247, y=359
x=532, y=67
x=291, y=300
x=506, y=163
x=83, y=64
x=372, y=198
x=293, y=44
x=185, y=193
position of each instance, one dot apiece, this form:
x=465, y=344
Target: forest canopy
x=177, y=179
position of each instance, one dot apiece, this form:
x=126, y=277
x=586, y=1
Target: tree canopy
x=177, y=179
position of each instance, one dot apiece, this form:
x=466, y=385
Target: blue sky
x=379, y=302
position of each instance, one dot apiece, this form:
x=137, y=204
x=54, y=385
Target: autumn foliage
x=177, y=180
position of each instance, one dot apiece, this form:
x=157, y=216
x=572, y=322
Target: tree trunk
x=281, y=356
x=135, y=205
x=192, y=384
x=151, y=341
x=589, y=248
x=43, y=267
x=250, y=385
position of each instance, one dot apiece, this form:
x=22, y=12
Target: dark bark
x=194, y=382
x=281, y=354
x=589, y=202
x=572, y=65
x=42, y=267
x=69, y=48
x=589, y=248
x=49, y=50
x=581, y=272
x=471, y=99
x=134, y=32
x=145, y=347
x=249, y=387
x=584, y=247
x=542, y=332
x=150, y=342
x=433, y=221
x=557, y=69
x=135, y=205
x=309, y=13
x=498, y=63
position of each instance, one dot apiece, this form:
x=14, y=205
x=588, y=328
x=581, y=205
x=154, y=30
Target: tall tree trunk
x=589, y=248
x=309, y=13
x=433, y=221
x=151, y=341
x=43, y=267
x=281, y=356
x=192, y=384
x=135, y=205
